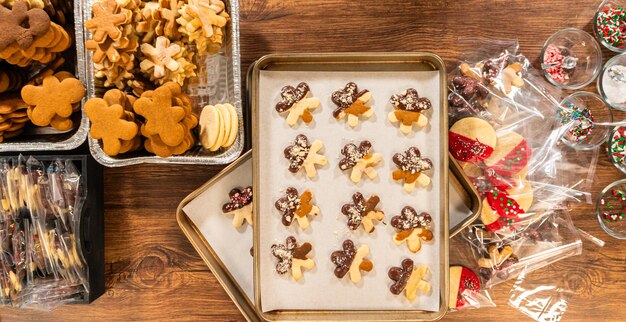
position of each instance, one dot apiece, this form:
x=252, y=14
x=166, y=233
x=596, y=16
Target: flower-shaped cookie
x=160, y=57
x=294, y=101
x=351, y=260
x=360, y=159
x=240, y=206
x=411, y=167
x=351, y=103
x=301, y=154
x=412, y=228
x=409, y=279
x=293, y=206
x=409, y=108
x=362, y=212
x=292, y=257
x=203, y=21
x=107, y=19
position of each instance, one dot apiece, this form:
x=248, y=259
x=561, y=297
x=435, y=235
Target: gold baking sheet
x=363, y=62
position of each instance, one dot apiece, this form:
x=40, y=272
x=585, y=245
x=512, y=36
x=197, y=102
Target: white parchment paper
x=232, y=245
x=319, y=289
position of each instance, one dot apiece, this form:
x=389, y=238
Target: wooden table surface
x=152, y=271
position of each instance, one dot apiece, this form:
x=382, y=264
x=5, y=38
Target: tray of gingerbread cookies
x=41, y=76
x=216, y=218
x=351, y=186
x=163, y=81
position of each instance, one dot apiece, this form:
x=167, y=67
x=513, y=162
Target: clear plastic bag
x=41, y=266
x=502, y=255
x=466, y=288
x=540, y=299
x=507, y=133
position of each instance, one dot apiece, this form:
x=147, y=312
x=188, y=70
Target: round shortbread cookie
x=502, y=209
x=220, y=133
x=223, y=110
x=209, y=126
x=463, y=284
x=471, y=139
x=510, y=155
x=234, y=125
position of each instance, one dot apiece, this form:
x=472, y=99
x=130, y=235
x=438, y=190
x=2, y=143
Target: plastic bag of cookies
x=158, y=53
x=38, y=86
x=508, y=136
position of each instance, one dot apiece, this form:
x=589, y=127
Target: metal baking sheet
x=47, y=139
x=219, y=82
x=383, y=65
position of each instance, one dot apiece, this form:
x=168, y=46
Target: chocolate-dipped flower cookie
x=411, y=166
x=295, y=103
x=360, y=159
x=409, y=279
x=301, y=154
x=412, y=228
x=351, y=104
x=239, y=206
x=362, y=212
x=292, y=258
x=351, y=260
x=408, y=110
x=294, y=206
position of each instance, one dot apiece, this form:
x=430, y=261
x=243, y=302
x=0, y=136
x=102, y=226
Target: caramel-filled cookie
x=409, y=109
x=412, y=228
x=299, y=207
x=351, y=104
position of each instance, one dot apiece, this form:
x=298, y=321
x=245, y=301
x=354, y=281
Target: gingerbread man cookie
x=471, y=139
x=351, y=103
x=239, y=206
x=295, y=102
x=362, y=212
x=351, y=260
x=301, y=154
x=293, y=206
x=409, y=110
x=52, y=99
x=292, y=257
x=360, y=159
x=412, y=228
x=409, y=279
x=162, y=118
x=21, y=25
x=110, y=123
x=411, y=167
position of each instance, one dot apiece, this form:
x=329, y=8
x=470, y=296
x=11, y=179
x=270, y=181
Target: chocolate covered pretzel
x=411, y=167
x=292, y=257
x=351, y=103
x=409, y=279
x=351, y=260
x=412, y=228
x=301, y=154
x=293, y=206
x=294, y=101
x=362, y=212
x=409, y=108
x=360, y=159
x=239, y=206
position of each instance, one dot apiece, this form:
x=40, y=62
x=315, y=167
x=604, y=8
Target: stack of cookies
x=13, y=117
x=113, y=122
x=53, y=102
x=169, y=120
x=29, y=35
x=11, y=78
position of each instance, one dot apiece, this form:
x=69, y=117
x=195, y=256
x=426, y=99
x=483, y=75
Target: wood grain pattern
x=152, y=271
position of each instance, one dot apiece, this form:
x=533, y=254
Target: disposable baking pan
x=219, y=81
x=222, y=271
x=47, y=139
x=361, y=63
